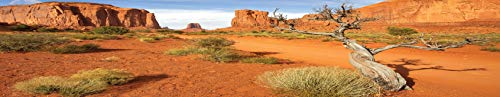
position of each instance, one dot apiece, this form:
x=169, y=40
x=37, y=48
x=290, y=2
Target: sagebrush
x=78, y=85
x=75, y=49
x=319, y=82
x=29, y=42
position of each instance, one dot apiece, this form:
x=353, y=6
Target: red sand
x=457, y=72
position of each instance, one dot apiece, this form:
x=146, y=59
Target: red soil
x=456, y=72
x=466, y=72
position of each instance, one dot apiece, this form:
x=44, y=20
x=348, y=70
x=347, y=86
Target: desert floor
x=465, y=72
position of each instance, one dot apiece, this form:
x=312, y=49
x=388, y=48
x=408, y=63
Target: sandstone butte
x=450, y=16
x=193, y=27
x=77, y=15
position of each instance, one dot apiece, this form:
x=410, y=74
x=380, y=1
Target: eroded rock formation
x=423, y=15
x=77, y=15
x=193, y=27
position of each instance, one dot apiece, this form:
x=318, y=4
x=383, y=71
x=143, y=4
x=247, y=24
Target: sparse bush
x=110, y=30
x=396, y=31
x=169, y=31
x=319, y=82
x=222, y=55
x=261, y=60
x=74, y=49
x=182, y=52
x=28, y=42
x=45, y=29
x=109, y=76
x=21, y=27
x=80, y=88
x=491, y=49
x=212, y=42
x=40, y=85
x=78, y=85
x=143, y=30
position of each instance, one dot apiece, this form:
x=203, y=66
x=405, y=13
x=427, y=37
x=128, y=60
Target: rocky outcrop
x=251, y=18
x=423, y=15
x=77, y=15
x=434, y=11
x=193, y=27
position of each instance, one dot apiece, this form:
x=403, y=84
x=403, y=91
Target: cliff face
x=423, y=15
x=193, y=27
x=77, y=15
x=434, y=11
x=251, y=18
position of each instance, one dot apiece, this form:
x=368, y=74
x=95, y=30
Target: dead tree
x=361, y=57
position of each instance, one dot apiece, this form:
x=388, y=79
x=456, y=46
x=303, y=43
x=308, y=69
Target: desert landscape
x=388, y=48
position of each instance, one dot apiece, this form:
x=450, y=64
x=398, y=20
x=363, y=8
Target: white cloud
x=13, y=2
x=208, y=19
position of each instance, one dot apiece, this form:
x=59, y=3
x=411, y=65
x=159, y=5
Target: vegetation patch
x=75, y=49
x=21, y=27
x=28, y=42
x=218, y=50
x=491, y=49
x=261, y=60
x=397, y=31
x=319, y=82
x=114, y=30
x=151, y=39
x=78, y=85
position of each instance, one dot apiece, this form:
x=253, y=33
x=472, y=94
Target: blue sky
x=210, y=14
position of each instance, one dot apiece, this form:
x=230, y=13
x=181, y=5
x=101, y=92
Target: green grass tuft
x=491, y=49
x=75, y=49
x=28, y=42
x=319, y=82
x=78, y=85
x=110, y=30
x=260, y=60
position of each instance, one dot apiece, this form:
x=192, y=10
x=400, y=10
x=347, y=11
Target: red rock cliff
x=77, y=15
x=423, y=15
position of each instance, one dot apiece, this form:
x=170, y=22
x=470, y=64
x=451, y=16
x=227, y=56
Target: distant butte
x=77, y=15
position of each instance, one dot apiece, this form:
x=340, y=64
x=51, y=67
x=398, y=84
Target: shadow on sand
x=405, y=71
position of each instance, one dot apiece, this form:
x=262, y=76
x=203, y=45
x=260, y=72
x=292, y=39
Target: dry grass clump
x=78, y=85
x=217, y=49
x=261, y=60
x=491, y=49
x=28, y=42
x=319, y=82
x=109, y=76
x=75, y=49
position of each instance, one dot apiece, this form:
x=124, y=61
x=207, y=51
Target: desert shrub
x=213, y=42
x=94, y=37
x=21, y=27
x=28, y=42
x=80, y=88
x=260, y=60
x=78, y=85
x=110, y=30
x=151, y=39
x=182, y=52
x=169, y=31
x=74, y=49
x=143, y=30
x=40, y=85
x=222, y=55
x=491, y=49
x=319, y=82
x=45, y=29
x=109, y=76
x=396, y=31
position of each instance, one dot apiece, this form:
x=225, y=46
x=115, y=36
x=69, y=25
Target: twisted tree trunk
x=363, y=60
